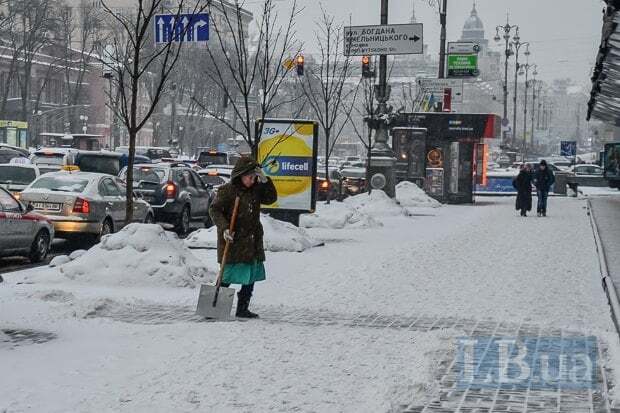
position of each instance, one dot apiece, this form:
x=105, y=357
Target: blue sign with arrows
x=188, y=28
x=568, y=148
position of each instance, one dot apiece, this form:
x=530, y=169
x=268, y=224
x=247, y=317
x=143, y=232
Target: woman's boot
x=243, y=302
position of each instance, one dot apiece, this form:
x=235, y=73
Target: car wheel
x=40, y=247
x=183, y=225
x=150, y=219
x=106, y=228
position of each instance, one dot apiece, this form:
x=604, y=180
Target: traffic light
x=300, y=65
x=366, y=72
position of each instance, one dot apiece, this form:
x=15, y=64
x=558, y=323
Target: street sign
x=186, y=28
x=463, y=48
x=463, y=65
x=392, y=39
x=568, y=148
x=438, y=87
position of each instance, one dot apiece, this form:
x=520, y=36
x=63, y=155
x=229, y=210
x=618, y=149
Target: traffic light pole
x=383, y=95
x=381, y=168
x=443, y=13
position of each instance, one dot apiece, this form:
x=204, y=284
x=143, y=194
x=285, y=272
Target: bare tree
x=136, y=63
x=30, y=27
x=250, y=72
x=324, y=84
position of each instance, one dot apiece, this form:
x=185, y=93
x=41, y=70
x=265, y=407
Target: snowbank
x=409, y=194
x=138, y=255
x=337, y=215
x=376, y=204
x=278, y=236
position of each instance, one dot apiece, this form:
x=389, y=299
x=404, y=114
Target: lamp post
x=506, y=29
x=84, y=120
x=517, y=46
x=525, y=69
x=534, y=97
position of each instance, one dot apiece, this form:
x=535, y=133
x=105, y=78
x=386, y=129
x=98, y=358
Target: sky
x=564, y=34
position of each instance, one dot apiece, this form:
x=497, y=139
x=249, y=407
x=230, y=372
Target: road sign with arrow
x=187, y=28
x=389, y=39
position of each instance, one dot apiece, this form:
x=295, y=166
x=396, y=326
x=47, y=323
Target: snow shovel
x=216, y=301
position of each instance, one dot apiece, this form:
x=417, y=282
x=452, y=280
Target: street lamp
x=525, y=69
x=506, y=29
x=84, y=120
x=517, y=45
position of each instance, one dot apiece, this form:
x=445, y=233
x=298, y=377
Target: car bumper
x=64, y=226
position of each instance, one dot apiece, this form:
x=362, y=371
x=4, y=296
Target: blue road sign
x=189, y=28
x=568, y=148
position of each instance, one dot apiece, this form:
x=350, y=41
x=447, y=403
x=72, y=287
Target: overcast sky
x=564, y=33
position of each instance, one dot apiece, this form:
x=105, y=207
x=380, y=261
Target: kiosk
x=444, y=153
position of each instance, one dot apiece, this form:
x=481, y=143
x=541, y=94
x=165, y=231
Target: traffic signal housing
x=299, y=61
x=366, y=72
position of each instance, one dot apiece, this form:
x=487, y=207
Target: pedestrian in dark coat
x=543, y=180
x=244, y=264
x=523, y=184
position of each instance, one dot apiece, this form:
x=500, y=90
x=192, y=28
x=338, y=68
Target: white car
x=15, y=177
x=216, y=175
x=587, y=170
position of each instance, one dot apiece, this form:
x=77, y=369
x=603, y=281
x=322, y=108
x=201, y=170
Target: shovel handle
x=231, y=228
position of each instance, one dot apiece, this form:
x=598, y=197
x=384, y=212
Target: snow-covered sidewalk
x=366, y=322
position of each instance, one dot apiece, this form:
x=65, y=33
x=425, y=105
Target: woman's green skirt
x=244, y=273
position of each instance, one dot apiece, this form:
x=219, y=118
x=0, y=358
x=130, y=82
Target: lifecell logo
x=289, y=166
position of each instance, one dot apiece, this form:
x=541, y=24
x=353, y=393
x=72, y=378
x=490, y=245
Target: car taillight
x=81, y=206
x=171, y=190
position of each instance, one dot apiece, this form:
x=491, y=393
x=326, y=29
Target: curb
x=608, y=284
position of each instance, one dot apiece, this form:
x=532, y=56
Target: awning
x=604, y=101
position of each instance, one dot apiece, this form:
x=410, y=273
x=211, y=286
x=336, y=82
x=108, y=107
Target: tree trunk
x=129, y=182
x=327, y=177
x=368, y=156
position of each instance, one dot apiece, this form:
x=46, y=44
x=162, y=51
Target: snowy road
x=366, y=323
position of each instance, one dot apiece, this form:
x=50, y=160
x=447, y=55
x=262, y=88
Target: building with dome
x=482, y=94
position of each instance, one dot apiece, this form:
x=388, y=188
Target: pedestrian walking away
x=523, y=184
x=543, y=180
x=246, y=257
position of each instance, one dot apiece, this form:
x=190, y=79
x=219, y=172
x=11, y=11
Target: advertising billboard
x=287, y=152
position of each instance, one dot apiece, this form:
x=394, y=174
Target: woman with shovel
x=246, y=254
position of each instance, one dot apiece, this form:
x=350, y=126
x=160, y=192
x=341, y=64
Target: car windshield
x=212, y=159
x=214, y=180
x=155, y=154
x=97, y=163
x=49, y=159
x=58, y=183
x=149, y=175
x=16, y=174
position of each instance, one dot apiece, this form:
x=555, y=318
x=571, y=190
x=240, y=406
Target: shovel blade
x=223, y=305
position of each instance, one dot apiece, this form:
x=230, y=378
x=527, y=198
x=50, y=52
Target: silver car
x=83, y=203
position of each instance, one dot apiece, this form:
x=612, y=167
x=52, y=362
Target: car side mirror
x=28, y=208
x=209, y=186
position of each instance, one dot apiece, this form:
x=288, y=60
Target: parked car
x=52, y=159
x=16, y=176
x=215, y=176
x=587, y=169
x=212, y=157
x=98, y=161
x=138, y=159
x=83, y=203
x=154, y=153
x=175, y=191
x=353, y=181
x=24, y=232
x=328, y=188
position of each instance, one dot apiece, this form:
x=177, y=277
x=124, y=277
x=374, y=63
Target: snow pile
x=338, y=215
x=278, y=236
x=59, y=260
x=409, y=194
x=376, y=204
x=138, y=255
